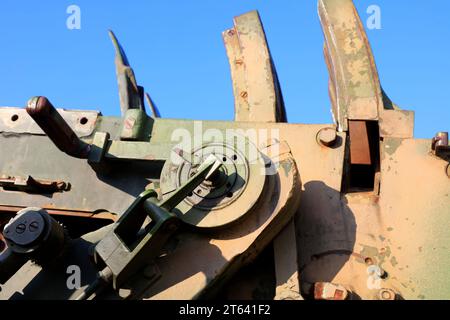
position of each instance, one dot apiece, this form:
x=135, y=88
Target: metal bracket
x=134, y=241
x=440, y=146
x=31, y=185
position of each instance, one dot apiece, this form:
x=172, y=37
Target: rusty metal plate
x=359, y=143
x=17, y=120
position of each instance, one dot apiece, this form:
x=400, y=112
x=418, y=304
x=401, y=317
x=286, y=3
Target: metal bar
x=350, y=63
x=56, y=128
x=127, y=150
x=255, y=83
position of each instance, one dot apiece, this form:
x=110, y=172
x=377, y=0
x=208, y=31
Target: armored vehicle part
x=157, y=208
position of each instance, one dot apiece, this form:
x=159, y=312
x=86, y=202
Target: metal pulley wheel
x=228, y=195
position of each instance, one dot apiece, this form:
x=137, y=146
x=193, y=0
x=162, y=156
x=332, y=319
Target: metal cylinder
x=440, y=140
x=56, y=128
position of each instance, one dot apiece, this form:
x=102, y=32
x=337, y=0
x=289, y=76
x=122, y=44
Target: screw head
x=34, y=226
x=327, y=137
x=21, y=228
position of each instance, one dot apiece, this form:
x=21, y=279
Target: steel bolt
x=327, y=137
x=34, y=226
x=440, y=140
x=21, y=228
x=386, y=294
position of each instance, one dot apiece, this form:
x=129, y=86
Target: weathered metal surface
x=397, y=124
x=213, y=206
x=440, y=145
x=329, y=291
x=359, y=142
x=415, y=201
x=386, y=243
x=6, y=211
x=17, y=121
x=354, y=85
x=31, y=235
x=327, y=137
x=237, y=245
x=56, y=128
x=89, y=192
x=354, y=81
x=130, y=94
x=31, y=185
x=286, y=266
x=256, y=88
x=387, y=294
x=114, y=191
x=134, y=126
x=214, y=257
x=137, y=151
x=152, y=106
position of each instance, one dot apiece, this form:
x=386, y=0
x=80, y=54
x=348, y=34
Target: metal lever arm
x=131, y=244
x=56, y=128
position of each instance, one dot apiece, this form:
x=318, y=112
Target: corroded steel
x=359, y=142
x=355, y=210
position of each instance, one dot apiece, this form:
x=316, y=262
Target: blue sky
x=177, y=52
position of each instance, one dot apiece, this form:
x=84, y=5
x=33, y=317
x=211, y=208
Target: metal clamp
x=141, y=232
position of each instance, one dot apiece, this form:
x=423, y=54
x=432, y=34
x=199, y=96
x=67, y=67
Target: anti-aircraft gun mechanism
x=152, y=208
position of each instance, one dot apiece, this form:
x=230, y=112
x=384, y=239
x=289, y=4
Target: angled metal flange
x=354, y=85
x=131, y=95
x=255, y=83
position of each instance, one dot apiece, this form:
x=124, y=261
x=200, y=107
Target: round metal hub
x=26, y=228
x=224, y=187
x=228, y=195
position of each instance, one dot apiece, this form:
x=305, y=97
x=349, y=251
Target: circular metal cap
x=227, y=195
x=26, y=228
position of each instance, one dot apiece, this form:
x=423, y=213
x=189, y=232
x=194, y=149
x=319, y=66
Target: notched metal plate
x=17, y=120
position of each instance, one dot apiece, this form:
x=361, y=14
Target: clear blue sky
x=177, y=52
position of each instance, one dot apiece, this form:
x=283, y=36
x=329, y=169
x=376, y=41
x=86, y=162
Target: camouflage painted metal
x=357, y=209
x=255, y=82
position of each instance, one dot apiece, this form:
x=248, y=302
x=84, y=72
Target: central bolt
x=214, y=178
x=34, y=226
